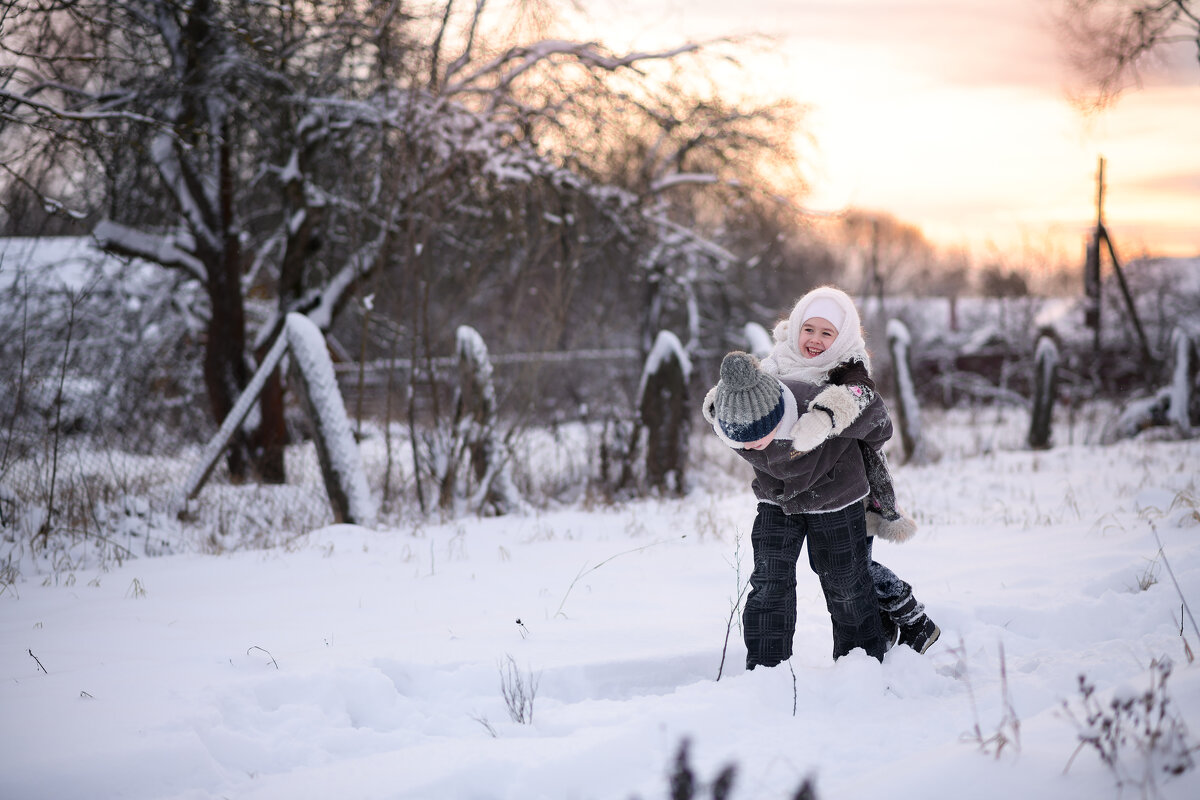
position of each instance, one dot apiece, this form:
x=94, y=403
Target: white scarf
x=786, y=360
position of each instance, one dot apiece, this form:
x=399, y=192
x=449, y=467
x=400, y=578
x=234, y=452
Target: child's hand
x=842, y=404
x=813, y=428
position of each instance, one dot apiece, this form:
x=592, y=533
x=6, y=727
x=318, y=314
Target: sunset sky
x=953, y=115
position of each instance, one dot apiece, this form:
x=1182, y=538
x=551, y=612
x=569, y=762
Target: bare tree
x=882, y=253
x=282, y=150
x=718, y=181
x=162, y=105
x=1109, y=42
x=280, y=158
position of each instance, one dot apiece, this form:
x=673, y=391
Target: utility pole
x=876, y=278
x=1091, y=278
x=1091, y=268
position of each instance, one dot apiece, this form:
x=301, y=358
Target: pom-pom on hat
x=749, y=402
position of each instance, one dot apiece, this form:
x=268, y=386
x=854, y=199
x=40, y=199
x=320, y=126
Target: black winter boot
x=920, y=634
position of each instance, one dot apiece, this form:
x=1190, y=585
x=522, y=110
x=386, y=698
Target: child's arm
x=831, y=413
x=849, y=393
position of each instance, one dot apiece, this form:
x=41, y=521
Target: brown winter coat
x=827, y=478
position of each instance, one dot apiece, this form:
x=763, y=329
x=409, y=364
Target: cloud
x=964, y=42
x=1186, y=184
x=953, y=113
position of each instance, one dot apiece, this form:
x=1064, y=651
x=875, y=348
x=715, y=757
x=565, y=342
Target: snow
x=296, y=221
x=171, y=171
x=1047, y=351
x=307, y=345
x=667, y=347
x=1181, y=374
x=479, y=428
x=899, y=339
x=758, y=340
x=898, y=331
x=686, y=179
x=158, y=249
x=1046, y=357
x=368, y=663
x=1142, y=413
x=53, y=263
x=334, y=291
x=291, y=170
x=470, y=346
x=507, y=169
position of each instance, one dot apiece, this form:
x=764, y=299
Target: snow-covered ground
x=360, y=663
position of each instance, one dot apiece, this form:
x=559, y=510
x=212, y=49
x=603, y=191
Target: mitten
x=898, y=529
x=843, y=404
x=813, y=428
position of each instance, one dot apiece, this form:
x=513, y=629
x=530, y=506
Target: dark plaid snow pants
x=838, y=554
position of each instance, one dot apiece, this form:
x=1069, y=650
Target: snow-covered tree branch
x=287, y=156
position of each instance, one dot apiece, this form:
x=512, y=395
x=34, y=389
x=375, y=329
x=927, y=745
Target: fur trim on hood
x=900, y=529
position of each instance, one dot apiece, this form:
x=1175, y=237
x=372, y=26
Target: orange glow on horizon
x=968, y=133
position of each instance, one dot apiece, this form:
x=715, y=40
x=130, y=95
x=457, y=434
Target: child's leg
x=898, y=603
x=885, y=590
x=895, y=595
x=769, y=617
x=837, y=552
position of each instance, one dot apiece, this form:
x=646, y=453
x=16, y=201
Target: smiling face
x=816, y=335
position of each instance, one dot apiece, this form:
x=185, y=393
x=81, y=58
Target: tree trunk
x=225, y=373
x=302, y=240
x=271, y=436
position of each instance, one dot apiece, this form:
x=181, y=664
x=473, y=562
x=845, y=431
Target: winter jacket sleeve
x=873, y=426
x=843, y=405
x=853, y=411
x=847, y=392
x=781, y=474
x=852, y=372
x=829, y=477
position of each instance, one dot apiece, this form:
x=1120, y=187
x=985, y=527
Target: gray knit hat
x=749, y=402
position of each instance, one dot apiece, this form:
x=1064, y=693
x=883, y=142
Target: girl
x=821, y=343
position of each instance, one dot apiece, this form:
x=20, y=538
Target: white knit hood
x=788, y=363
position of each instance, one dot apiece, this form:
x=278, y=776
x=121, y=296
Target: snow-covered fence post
x=665, y=412
x=759, y=342
x=475, y=420
x=1183, y=381
x=1045, y=387
x=341, y=465
x=908, y=410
